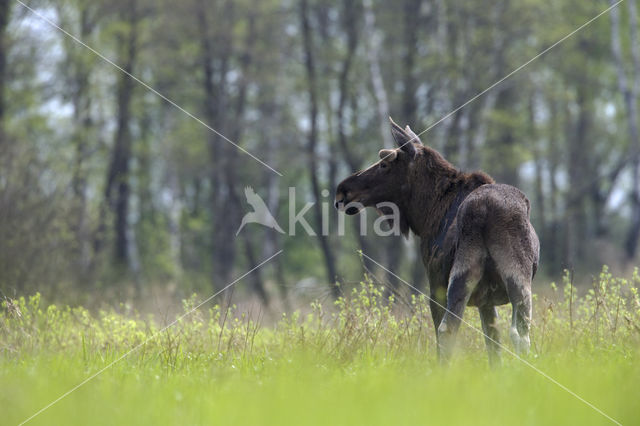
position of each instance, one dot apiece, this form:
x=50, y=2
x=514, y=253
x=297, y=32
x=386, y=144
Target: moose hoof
x=520, y=343
x=445, y=343
x=442, y=328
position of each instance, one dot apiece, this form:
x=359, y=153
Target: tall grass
x=365, y=359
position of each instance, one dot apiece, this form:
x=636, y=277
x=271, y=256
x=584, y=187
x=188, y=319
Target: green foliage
x=606, y=318
x=362, y=324
x=365, y=345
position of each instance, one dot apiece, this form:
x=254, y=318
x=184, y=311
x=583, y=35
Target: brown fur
x=477, y=242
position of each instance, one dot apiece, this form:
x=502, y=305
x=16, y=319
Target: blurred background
x=109, y=193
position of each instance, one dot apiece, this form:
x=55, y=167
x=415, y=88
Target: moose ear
x=404, y=141
x=388, y=154
x=412, y=135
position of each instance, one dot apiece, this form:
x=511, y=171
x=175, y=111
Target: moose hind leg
x=519, y=292
x=462, y=282
x=489, y=319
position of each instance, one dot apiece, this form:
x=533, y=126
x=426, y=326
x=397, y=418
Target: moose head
x=388, y=180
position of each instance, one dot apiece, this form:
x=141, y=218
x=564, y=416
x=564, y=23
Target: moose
x=476, y=240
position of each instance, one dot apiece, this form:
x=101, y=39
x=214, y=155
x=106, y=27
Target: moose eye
x=383, y=165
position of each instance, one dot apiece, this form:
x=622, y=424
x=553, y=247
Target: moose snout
x=344, y=201
x=341, y=195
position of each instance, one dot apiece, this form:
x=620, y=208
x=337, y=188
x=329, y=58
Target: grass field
x=361, y=361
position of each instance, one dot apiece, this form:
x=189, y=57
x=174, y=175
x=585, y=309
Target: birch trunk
x=379, y=92
x=309, y=61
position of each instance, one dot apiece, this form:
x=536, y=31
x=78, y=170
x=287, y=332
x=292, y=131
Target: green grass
x=359, y=362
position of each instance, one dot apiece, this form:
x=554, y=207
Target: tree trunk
x=309, y=61
x=231, y=166
x=272, y=238
x=379, y=92
x=350, y=26
x=350, y=22
x=224, y=207
x=411, y=31
x=552, y=241
x=395, y=248
x=539, y=168
x=5, y=13
x=631, y=96
x=504, y=143
x=451, y=147
x=83, y=125
x=118, y=186
x=578, y=139
x=256, y=276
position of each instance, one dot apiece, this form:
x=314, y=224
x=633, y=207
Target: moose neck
x=436, y=189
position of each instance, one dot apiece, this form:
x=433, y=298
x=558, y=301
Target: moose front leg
x=437, y=305
x=461, y=284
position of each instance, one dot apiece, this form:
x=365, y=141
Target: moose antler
x=402, y=138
